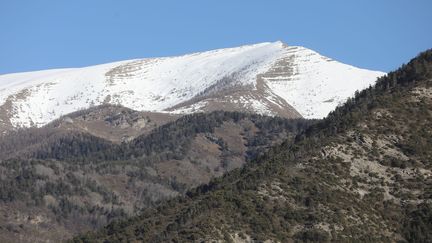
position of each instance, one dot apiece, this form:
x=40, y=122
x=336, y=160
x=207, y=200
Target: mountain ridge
x=266, y=78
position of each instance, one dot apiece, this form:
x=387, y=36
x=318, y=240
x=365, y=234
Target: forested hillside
x=364, y=174
x=63, y=179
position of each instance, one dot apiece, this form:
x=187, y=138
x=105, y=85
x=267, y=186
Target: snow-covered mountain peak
x=269, y=78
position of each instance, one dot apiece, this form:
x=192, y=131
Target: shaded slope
x=362, y=174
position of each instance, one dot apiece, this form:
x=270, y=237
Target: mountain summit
x=266, y=78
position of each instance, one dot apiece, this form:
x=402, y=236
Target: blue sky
x=43, y=34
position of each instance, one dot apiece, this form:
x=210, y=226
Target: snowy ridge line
x=314, y=85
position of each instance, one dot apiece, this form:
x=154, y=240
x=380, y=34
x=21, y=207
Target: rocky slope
x=363, y=174
x=266, y=78
x=113, y=122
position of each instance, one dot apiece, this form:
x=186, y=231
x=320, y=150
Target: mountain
x=266, y=78
x=113, y=122
x=75, y=174
x=363, y=174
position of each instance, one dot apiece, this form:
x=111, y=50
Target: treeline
x=417, y=72
x=170, y=141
